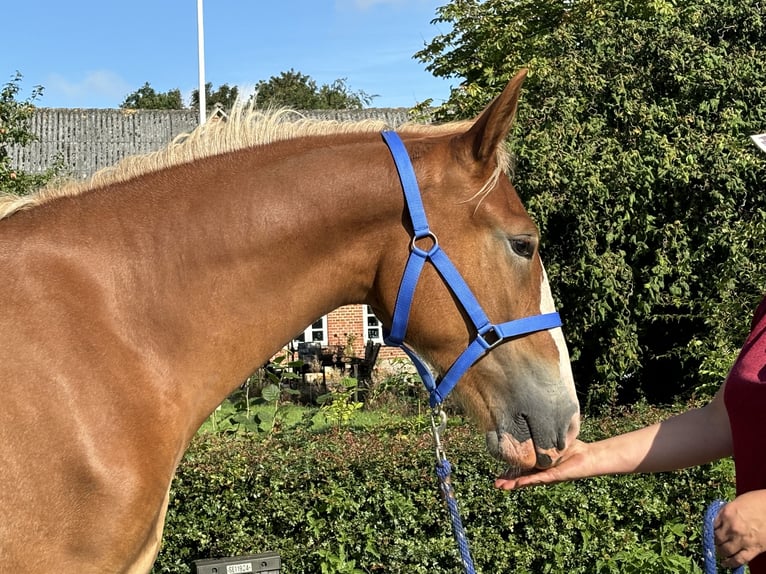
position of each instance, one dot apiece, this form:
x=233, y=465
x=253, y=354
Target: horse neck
x=222, y=261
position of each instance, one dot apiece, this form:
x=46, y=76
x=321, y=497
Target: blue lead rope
x=444, y=471
x=708, y=540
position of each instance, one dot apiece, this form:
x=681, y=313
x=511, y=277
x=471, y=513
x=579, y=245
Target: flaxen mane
x=245, y=127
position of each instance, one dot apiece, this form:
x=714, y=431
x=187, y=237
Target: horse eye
x=522, y=246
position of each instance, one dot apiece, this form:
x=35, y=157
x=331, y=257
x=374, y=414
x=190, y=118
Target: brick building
x=349, y=328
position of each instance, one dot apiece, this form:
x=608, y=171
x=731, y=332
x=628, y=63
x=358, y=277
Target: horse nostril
x=522, y=431
x=568, y=433
x=544, y=460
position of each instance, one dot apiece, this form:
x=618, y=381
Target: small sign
x=760, y=141
x=265, y=563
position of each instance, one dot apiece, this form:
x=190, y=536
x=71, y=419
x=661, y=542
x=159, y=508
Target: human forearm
x=695, y=437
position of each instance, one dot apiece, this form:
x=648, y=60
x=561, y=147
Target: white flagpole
x=201, y=56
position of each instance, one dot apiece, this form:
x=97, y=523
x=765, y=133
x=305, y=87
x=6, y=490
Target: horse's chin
x=521, y=456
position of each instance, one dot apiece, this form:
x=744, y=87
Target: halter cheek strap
x=488, y=335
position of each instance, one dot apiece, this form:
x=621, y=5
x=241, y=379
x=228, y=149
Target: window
x=315, y=333
x=373, y=330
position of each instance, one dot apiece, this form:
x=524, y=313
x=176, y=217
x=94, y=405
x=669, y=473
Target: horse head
x=518, y=384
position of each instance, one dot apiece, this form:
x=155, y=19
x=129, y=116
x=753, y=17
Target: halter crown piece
x=488, y=335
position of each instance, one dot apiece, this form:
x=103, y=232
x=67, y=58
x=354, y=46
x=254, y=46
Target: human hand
x=576, y=463
x=740, y=529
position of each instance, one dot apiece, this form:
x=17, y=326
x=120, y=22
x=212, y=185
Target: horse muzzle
x=527, y=443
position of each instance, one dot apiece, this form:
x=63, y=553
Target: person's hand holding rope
x=740, y=529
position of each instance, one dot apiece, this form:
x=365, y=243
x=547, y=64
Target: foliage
x=271, y=401
x=295, y=90
x=147, y=98
x=399, y=387
x=367, y=501
x=290, y=89
x=262, y=403
x=14, y=130
x=340, y=404
x=634, y=158
x=225, y=97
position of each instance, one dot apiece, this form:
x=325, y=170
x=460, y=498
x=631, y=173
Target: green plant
x=633, y=156
x=337, y=563
x=298, y=91
x=397, y=387
x=147, y=98
x=368, y=500
x=260, y=404
x=271, y=394
x=14, y=130
x=339, y=405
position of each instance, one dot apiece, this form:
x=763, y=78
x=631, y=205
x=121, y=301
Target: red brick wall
x=349, y=320
x=345, y=325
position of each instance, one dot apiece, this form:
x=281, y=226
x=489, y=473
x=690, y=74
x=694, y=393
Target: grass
x=255, y=414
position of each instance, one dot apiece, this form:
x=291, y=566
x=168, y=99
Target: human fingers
x=534, y=479
x=735, y=560
x=738, y=529
x=727, y=547
x=731, y=546
x=549, y=476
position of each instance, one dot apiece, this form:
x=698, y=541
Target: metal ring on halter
x=430, y=235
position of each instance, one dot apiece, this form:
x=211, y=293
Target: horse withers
x=136, y=302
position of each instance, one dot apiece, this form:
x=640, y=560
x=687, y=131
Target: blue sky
x=88, y=53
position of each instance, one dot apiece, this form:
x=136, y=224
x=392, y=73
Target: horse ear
x=494, y=124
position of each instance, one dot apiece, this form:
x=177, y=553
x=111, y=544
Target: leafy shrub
x=635, y=160
x=397, y=385
x=340, y=404
x=364, y=501
x=14, y=130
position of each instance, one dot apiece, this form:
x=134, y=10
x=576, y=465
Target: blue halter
x=488, y=335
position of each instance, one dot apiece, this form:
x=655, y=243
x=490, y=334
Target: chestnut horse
x=134, y=303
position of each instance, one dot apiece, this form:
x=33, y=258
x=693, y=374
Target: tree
x=298, y=91
x=225, y=97
x=14, y=130
x=338, y=96
x=146, y=98
x=633, y=156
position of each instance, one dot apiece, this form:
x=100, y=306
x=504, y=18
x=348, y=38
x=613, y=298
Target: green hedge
x=363, y=501
x=634, y=158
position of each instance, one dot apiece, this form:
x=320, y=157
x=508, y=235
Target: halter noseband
x=488, y=335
